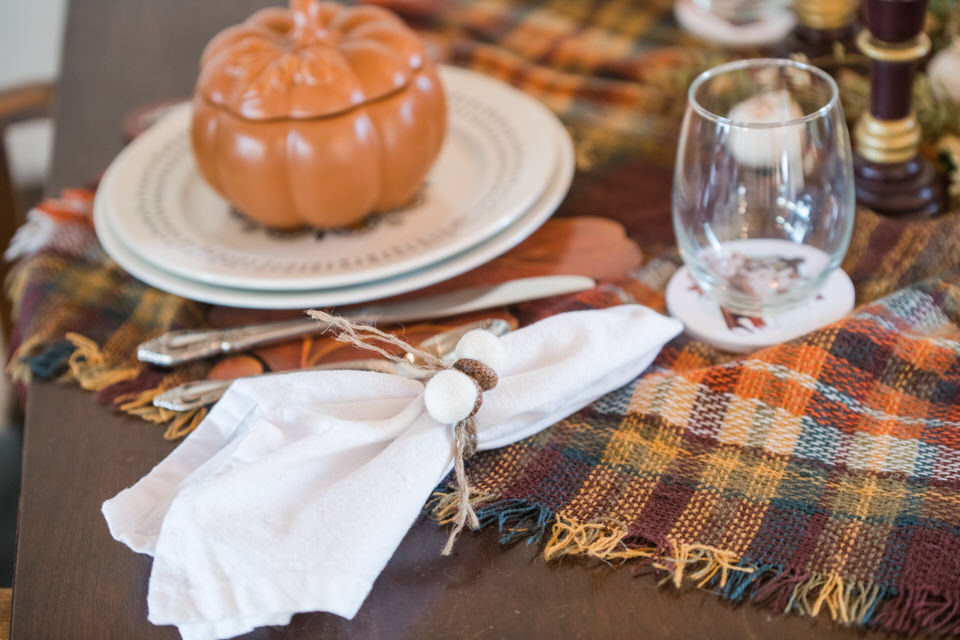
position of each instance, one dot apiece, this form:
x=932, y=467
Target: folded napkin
x=295, y=491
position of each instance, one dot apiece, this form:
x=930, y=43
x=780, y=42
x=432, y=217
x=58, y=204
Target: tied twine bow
x=464, y=432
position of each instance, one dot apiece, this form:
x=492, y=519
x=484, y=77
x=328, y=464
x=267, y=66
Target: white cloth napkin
x=295, y=491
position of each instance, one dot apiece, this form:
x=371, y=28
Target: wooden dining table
x=72, y=580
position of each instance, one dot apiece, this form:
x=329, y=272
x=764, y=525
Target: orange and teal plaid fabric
x=822, y=475
x=818, y=476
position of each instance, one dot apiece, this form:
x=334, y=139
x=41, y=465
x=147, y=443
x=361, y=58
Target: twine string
x=360, y=335
x=464, y=432
x=464, y=446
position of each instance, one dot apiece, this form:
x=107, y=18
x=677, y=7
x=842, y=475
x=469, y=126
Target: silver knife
x=177, y=347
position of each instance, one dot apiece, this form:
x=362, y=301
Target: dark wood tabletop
x=73, y=580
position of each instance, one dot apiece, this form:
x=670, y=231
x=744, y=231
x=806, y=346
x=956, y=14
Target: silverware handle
x=192, y=395
x=251, y=336
x=202, y=393
x=177, y=347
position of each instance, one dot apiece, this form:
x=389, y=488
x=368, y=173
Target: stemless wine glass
x=763, y=195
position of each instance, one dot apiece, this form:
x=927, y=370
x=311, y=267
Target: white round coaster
x=708, y=26
x=704, y=320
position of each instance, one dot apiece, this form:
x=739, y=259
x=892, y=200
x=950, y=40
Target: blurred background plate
x=558, y=145
x=496, y=161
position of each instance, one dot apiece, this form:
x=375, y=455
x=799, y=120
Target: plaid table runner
x=822, y=475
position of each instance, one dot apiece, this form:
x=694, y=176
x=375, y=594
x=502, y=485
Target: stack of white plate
x=505, y=167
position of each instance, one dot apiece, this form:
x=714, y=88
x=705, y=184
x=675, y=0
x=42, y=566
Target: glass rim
x=762, y=62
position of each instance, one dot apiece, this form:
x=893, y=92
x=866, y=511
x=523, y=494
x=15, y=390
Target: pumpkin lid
x=315, y=59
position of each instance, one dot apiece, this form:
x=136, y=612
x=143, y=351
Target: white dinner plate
x=494, y=164
x=526, y=224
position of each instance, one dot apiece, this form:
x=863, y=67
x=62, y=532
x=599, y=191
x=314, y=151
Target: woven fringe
x=602, y=540
x=140, y=404
x=849, y=602
x=19, y=367
x=90, y=368
x=78, y=358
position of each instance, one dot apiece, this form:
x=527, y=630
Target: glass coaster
x=704, y=320
x=772, y=29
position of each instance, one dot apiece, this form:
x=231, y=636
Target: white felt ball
x=450, y=396
x=483, y=346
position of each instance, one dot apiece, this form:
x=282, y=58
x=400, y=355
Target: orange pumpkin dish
x=318, y=115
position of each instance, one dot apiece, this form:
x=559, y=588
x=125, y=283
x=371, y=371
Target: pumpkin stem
x=306, y=25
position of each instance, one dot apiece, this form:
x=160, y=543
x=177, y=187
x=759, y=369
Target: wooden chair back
x=17, y=104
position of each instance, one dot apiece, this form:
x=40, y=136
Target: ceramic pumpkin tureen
x=317, y=115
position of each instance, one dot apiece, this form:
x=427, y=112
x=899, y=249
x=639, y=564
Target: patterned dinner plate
x=496, y=161
x=559, y=146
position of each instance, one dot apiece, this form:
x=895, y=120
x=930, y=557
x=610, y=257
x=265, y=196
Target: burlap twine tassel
x=464, y=432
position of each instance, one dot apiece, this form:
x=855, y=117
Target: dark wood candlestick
x=891, y=178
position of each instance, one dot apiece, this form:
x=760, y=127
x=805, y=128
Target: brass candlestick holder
x=891, y=178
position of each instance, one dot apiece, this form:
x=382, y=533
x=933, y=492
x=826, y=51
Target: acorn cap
x=483, y=375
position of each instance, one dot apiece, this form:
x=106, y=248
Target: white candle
x=766, y=146
x=944, y=72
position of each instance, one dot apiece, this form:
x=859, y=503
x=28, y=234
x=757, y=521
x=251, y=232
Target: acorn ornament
x=483, y=346
x=452, y=396
x=455, y=394
x=483, y=375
